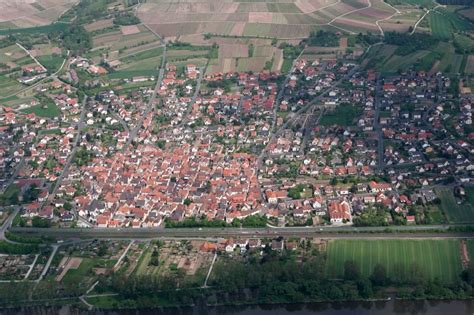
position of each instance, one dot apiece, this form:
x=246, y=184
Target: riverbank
x=391, y=307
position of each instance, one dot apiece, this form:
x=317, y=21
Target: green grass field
x=458, y=22
x=8, y=86
x=142, y=55
x=470, y=249
x=464, y=43
x=343, y=115
x=34, y=30
x=85, y=269
x=51, y=62
x=439, y=258
x=50, y=111
x=463, y=213
x=441, y=27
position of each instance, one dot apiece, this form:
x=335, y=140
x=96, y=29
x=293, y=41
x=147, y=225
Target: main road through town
x=435, y=231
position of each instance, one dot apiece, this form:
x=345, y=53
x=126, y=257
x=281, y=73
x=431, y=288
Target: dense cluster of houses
x=197, y=148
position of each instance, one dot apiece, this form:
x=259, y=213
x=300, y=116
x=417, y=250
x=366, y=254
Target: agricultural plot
x=98, y=25
x=469, y=65
x=464, y=43
x=24, y=14
x=169, y=257
x=416, y=3
x=9, y=86
x=127, y=51
x=283, y=8
x=470, y=249
x=402, y=22
x=457, y=211
x=236, y=57
x=278, y=19
x=439, y=259
x=440, y=26
x=444, y=22
x=403, y=62
x=467, y=13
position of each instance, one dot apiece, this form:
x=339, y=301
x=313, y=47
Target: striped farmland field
x=438, y=258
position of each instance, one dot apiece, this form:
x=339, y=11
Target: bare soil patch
x=66, y=264
x=129, y=29
x=98, y=25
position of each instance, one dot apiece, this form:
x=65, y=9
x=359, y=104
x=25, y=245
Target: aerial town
x=237, y=157
x=329, y=143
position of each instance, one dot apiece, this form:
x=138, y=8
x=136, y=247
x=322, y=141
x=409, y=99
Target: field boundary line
x=31, y=56
x=424, y=15
x=387, y=18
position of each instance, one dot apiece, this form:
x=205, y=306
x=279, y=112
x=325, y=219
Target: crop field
x=9, y=86
x=468, y=13
x=457, y=213
x=126, y=48
x=403, y=21
x=25, y=14
x=464, y=43
x=469, y=65
x=11, y=54
x=173, y=256
x=403, y=62
x=440, y=259
x=459, y=23
x=273, y=19
x=423, y=3
x=440, y=26
x=98, y=25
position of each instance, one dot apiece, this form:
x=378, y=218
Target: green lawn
x=48, y=110
x=439, y=258
x=286, y=66
x=85, y=269
x=457, y=213
x=343, y=115
x=51, y=62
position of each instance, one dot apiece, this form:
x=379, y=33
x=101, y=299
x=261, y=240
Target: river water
x=352, y=308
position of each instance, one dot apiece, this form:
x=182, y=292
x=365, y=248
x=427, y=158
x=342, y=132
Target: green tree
x=351, y=270
x=379, y=275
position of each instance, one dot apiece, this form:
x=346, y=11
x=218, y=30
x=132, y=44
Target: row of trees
x=279, y=279
x=407, y=43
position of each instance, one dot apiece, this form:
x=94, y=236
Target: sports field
x=457, y=213
x=439, y=258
